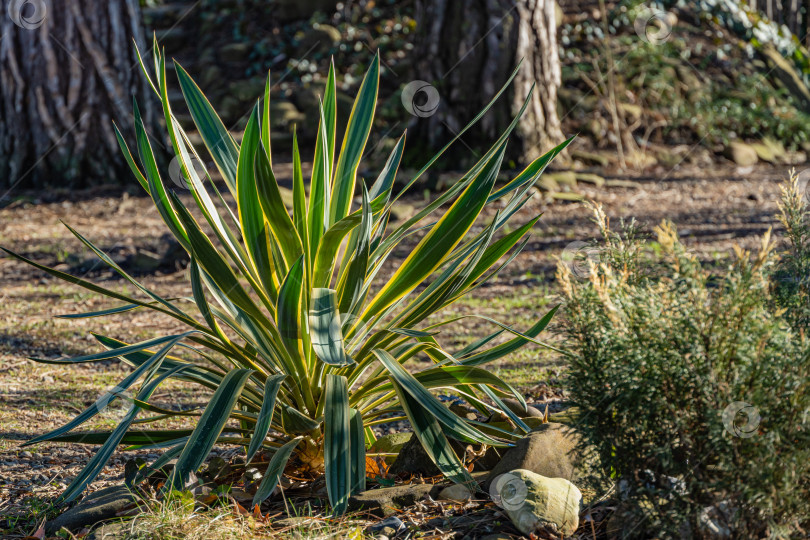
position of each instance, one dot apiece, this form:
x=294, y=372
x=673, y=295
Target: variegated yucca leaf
x=301, y=343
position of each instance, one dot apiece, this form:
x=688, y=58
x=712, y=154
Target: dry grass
x=180, y=520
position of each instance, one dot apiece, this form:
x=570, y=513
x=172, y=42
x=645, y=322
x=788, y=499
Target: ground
x=713, y=210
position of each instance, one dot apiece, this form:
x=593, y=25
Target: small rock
x=548, y=183
x=550, y=450
x=740, y=153
x=210, y=75
x=285, y=114
x=592, y=158
x=622, y=183
x=99, y=506
x=25, y=454
x=319, y=39
x=764, y=152
x=713, y=521
x=566, y=196
x=463, y=411
x=563, y=178
x=143, y=261
x=288, y=10
x=386, y=527
x=247, y=90
x=234, y=52
x=456, y=492
x=515, y=406
x=536, y=504
x=112, y=531
x=591, y=178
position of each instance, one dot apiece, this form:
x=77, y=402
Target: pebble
x=456, y=492
x=390, y=525
x=26, y=454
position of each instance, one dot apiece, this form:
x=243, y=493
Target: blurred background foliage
x=703, y=85
x=722, y=75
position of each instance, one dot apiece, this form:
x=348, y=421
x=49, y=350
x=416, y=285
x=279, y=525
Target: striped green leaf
x=209, y=427
x=337, y=451
x=274, y=471
x=281, y=225
x=326, y=329
x=321, y=183
x=217, y=139
x=357, y=437
x=103, y=454
x=442, y=238
x=251, y=218
x=354, y=142
x=412, y=385
x=290, y=307
x=115, y=393
x=271, y=387
x=499, y=351
x=429, y=432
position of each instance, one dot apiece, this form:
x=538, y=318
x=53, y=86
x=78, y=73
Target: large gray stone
x=549, y=450
x=390, y=445
x=536, y=504
x=102, y=505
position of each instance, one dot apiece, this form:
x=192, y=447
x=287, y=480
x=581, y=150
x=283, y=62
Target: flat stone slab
x=102, y=505
x=387, y=501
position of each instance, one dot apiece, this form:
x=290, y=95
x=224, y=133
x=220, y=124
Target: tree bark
x=468, y=48
x=68, y=69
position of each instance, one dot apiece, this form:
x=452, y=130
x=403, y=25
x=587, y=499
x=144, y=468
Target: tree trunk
x=468, y=48
x=67, y=71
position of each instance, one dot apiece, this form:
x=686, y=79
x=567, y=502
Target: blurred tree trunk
x=67, y=70
x=468, y=48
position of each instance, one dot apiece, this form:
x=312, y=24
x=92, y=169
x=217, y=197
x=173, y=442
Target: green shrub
x=791, y=279
x=672, y=366
x=302, y=347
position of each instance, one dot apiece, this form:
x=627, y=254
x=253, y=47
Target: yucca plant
x=304, y=350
